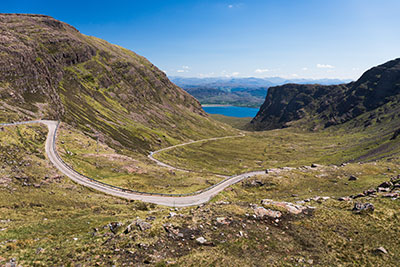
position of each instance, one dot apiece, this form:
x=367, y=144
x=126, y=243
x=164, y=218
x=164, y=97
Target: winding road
x=172, y=200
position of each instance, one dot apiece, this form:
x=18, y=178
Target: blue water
x=232, y=111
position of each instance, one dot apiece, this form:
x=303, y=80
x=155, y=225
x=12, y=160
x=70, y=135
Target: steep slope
x=50, y=70
x=318, y=105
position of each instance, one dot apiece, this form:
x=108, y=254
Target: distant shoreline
x=216, y=105
x=224, y=105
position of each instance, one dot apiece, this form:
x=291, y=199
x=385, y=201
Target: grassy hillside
x=50, y=70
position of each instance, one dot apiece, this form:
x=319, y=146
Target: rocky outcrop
x=363, y=208
x=290, y=207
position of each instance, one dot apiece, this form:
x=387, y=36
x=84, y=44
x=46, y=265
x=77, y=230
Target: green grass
x=286, y=147
x=235, y=122
x=136, y=172
x=53, y=224
x=257, y=151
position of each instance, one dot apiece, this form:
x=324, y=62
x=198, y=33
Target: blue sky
x=259, y=38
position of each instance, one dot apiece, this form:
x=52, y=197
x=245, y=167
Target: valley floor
x=45, y=218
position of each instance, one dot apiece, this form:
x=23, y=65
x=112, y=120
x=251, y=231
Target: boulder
x=363, y=207
x=315, y=165
x=391, y=195
x=383, y=189
x=290, y=207
x=380, y=250
x=353, y=178
x=142, y=225
x=261, y=213
x=201, y=240
x=369, y=191
x=385, y=185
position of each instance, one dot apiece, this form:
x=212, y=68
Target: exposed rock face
x=330, y=105
x=261, y=212
x=290, y=207
x=50, y=70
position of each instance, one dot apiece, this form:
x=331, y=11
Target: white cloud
x=227, y=74
x=261, y=70
x=202, y=75
x=325, y=66
x=183, y=69
x=230, y=6
x=295, y=75
x=304, y=69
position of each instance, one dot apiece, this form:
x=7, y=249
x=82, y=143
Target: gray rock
x=114, y=226
x=315, y=165
x=201, y=240
x=385, y=185
x=363, y=207
x=261, y=212
x=391, y=195
x=383, y=189
x=222, y=203
x=353, y=178
x=128, y=229
x=380, y=250
x=370, y=191
x=290, y=207
x=171, y=214
x=143, y=225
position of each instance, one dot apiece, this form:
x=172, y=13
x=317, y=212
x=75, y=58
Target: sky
x=254, y=38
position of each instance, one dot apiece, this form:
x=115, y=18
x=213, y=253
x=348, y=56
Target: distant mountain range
x=249, y=92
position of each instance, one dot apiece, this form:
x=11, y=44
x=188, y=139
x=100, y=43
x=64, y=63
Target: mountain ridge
x=331, y=105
